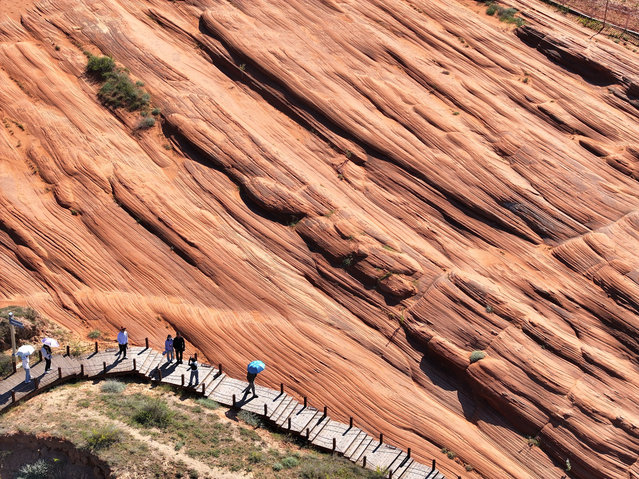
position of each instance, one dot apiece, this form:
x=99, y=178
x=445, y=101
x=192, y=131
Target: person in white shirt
x=27, y=369
x=123, y=341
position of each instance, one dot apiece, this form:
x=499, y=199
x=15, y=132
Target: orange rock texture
x=358, y=192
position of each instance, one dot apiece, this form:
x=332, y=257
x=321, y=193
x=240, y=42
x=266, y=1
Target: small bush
x=491, y=10
x=112, y=387
x=451, y=455
x=119, y=91
x=95, y=334
x=152, y=412
x=290, y=462
x=37, y=470
x=278, y=466
x=250, y=418
x=146, y=123
x=155, y=111
x=100, y=67
x=476, y=356
x=5, y=365
x=533, y=441
x=255, y=457
x=103, y=437
x=208, y=403
x=334, y=467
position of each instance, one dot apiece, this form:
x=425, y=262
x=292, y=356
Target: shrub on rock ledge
x=476, y=356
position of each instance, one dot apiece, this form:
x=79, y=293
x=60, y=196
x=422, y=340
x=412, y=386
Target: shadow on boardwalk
x=276, y=406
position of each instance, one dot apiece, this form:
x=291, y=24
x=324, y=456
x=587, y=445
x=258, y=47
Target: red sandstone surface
x=358, y=192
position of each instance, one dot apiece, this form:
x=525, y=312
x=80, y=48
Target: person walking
x=178, y=346
x=27, y=369
x=168, y=348
x=194, y=372
x=46, y=355
x=252, y=370
x=123, y=341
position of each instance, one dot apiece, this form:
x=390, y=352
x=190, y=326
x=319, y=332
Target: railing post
x=146, y=343
x=82, y=369
x=289, y=424
x=68, y=350
x=104, y=367
x=182, y=380
x=96, y=347
x=305, y=401
x=325, y=412
x=15, y=367
x=334, y=445
x=364, y=462
x=195, y=356
x=381, y=438
x=59, y=373
x=234, y=400
x=13, y=396
x=265, y=409
x=135, y=366
x=281, y=388
x=434, y=464
x=390, y=474
x=308, y=433
x=219, y=369
x=203, y=388
x=350, y=423
x=160, y=374
x=408, y=453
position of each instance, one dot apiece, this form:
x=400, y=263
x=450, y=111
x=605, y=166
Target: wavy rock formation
x=360, y=193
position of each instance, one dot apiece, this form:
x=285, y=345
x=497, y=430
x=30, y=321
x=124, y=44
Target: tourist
x=194, y=371
x=168, y=348
x=46, y=355
x=123, y=341
x=178, y=346
x=27, y=369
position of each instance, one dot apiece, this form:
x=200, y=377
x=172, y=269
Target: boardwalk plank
x=381, y=456
x=213, y=383
x=343, y=435
x=274, y=414
x=265, y=396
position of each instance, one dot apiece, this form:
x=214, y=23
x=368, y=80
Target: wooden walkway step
x=282, y=409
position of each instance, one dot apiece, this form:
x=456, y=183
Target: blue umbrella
x=255, y=367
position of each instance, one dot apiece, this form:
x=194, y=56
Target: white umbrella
x=25, y=350
x=51, y=342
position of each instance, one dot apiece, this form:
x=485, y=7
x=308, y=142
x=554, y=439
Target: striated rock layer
x=360, y=193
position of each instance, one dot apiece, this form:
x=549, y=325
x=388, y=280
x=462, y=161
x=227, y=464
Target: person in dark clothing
x=250, y=377
x=194, y=372
x=178, y=346
x=46, y=355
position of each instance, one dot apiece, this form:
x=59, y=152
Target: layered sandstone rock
x=360, y=193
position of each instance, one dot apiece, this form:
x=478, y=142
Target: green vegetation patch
x=103, y=436
x=476, y=356
x=119, y=91
x=506, y=15
x=112, y=386
x=100, y=67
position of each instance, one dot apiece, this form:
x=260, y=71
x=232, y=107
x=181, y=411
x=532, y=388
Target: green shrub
x=119, y=92
x=100, y=67
x=146, y=123
x=208, y=403
x=476, y=356
x=290, y=462
x=95, y=334
x=112, y=387
x=103, y=437
x=322, y=467
x=250, y=418
x=155, y=111
x=492, y=8
x=5, y=365
x=278, y=466
x=255, y=457
x=37, y=470
x=153, y=412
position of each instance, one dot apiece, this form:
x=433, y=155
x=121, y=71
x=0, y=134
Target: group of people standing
x=177, y=345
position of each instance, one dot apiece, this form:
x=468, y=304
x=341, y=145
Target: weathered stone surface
x=360, y=193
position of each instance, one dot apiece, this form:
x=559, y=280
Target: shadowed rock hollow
x=360, y=193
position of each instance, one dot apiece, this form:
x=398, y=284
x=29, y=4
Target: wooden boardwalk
x=275, y=406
